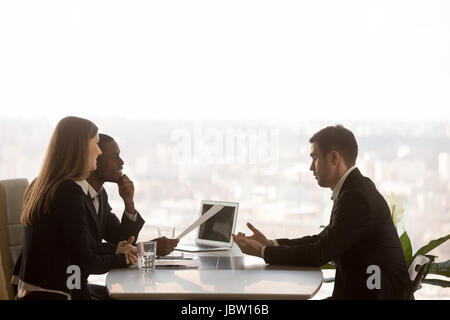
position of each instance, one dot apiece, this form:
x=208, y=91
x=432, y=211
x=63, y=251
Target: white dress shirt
x=341, y=181
x=94, y=195
x=334, y=196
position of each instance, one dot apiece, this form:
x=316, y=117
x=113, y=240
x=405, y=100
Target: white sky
x=305, y=60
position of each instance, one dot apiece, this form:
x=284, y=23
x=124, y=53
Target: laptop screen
x=219, y=227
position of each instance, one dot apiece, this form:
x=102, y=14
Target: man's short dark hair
x=103, y=139
x=339, y=139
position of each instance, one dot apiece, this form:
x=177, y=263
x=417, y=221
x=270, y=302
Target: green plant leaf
x=440, y=268
x=430, y=246
x=396, y=208
x=406, y=246
x=330, y=265
x=432, y=258
x=437, y=282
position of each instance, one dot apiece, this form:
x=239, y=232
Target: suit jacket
x=60, y=238
x=108, y=227
x=360, y=234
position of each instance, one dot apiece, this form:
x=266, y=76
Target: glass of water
x=146, y=255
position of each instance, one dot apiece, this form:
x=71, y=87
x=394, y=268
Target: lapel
x=101, y=208
x=347, y=183
x=332, y=213
x=93, y=213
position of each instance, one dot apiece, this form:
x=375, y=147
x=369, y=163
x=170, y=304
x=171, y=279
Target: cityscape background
x=262, y=165
x=217, y=100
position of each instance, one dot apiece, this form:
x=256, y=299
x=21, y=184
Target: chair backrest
x=11, y=229
x=417, y=273
x=3, y=283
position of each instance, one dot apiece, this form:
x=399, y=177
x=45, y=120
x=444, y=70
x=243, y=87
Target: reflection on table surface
x=240, y=263
x=217, y=277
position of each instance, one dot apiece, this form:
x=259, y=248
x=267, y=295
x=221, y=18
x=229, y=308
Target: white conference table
x=221, y=275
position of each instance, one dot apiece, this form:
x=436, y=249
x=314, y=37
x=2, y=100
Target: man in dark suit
x=108, y=227
x=360, y=238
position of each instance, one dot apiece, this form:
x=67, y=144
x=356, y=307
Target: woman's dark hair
x=66, y=158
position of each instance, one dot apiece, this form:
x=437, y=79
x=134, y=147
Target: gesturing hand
x=165, y=246
x=248, y=246
x=126, y=248
x=257, y=236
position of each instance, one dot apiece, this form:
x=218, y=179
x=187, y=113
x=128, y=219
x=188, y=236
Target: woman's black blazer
x=59, y=239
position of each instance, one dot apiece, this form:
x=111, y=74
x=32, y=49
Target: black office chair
x=417, y=274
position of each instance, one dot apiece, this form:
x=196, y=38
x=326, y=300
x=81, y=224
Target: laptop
x=215, y=233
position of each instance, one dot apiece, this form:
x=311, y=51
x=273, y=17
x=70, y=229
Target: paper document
x=187, y=263
x=208, y=214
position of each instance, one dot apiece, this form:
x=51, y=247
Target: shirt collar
x=84, y=186
x=341, y=181
x=88, y=189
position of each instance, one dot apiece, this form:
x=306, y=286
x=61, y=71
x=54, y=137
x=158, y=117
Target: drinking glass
x=146, y=255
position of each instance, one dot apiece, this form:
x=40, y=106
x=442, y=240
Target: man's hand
x=165, y=246
x=130, y=251
x=126, y=192
x=257, y=236
x=248, y=246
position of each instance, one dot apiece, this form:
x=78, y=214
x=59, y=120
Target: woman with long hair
x=57, y=254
